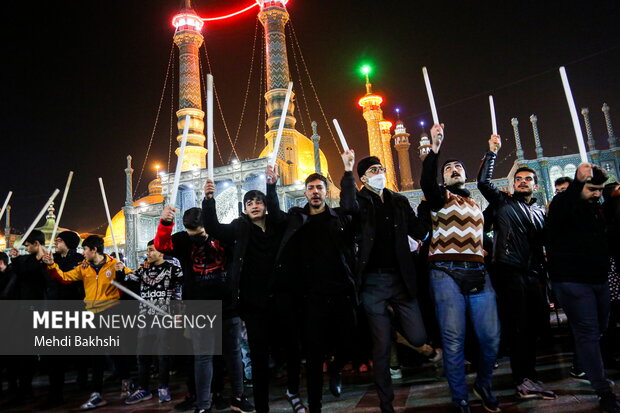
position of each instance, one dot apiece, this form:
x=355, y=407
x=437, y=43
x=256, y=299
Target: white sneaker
x=396, y=374
x=95, y=400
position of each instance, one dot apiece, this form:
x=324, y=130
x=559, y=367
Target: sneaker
x=489, y=401
x=138, y=396
x=241, y=404
x=608, y=403
x=396, y=373
x=437, y=359
x=164, y=394
x=95, y=400
x=534, y=389
x=335, y=384
x=126, y=388
x=296, y=403
x=577, y=374
x=462, y=407
x=218, y=402
x=187, y=404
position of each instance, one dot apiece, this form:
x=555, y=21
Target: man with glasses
x=384, y=265
x=561, y=184
x=518, y=224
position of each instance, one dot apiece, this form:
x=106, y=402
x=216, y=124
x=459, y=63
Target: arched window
x=555, y=172
x=569, y=170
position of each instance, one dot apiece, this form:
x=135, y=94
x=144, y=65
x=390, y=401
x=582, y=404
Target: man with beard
x=315, y=259
x=384, y=266
x=256, y=237
x=518, y=224
x=459, y=280
x=578, y=255
x=203, y=260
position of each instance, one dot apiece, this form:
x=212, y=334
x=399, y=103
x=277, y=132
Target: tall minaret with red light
x=378, y=131
x=188, y=38
x=401, y=144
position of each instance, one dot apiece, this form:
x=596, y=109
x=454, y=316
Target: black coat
x=31, y=277
x=61, y=291
x=577, y=244
x=518, y=226
x=340, y=228
x=360, y=205
x=236, y=234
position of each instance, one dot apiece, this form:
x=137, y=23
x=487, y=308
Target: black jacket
x=31, y=277
x=340, y=228
x=360, y=205
x=518, y=226
x=236, y=234
x=66, y=291
x=577, y=245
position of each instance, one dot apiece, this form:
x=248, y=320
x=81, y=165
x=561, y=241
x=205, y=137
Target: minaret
x=295, y=155
x=130, y=219
x=515, y=128
x=315, y=143
x=188, y=38
x=388, y=160
x=539, y=150
x=7, y=227
x=401, y=144
x=425, y=145
x=373, y=115
x=610, y=130
x=586, y=120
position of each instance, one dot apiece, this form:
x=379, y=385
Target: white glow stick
x=493, y=119
x=62, y=207
x=573, y=114
x=210, y=126
x=6, y=202
x=431, y=99
x=36, y=220
x=107, y=212
x=276, y=146
x=177, y=173
x=137, y=297
x=343, y=141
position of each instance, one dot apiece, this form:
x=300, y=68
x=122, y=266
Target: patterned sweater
x=457, y=230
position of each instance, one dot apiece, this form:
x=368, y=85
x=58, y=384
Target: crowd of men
x=314, y=281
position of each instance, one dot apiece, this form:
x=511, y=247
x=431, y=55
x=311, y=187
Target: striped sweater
x=457, y=230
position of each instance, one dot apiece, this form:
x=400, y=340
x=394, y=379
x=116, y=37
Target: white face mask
x=377, y=181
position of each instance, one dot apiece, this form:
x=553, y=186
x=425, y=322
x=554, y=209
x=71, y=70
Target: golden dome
x=118, y=220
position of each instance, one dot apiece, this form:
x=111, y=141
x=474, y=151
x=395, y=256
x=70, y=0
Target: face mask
x=198, y=238
x=377, y=181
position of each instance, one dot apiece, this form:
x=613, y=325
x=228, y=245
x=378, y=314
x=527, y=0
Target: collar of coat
x=305, y=210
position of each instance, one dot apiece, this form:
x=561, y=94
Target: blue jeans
x=203, y=363
x=452, y=308
x=587, y=308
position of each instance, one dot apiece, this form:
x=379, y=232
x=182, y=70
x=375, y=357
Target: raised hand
x=584, y=171
x=209, y=188
x=14, y=252
x=271, y=173
x=48, y=258
x=42, y=252
x=119, y=266
x=348, y=159
x=495, y=143
x=168, y=213
x=436, y=137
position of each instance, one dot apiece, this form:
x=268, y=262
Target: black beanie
x=70, y=238
x=364, y=164
x=453, y=160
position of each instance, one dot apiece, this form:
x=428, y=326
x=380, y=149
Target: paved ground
x=421, y=391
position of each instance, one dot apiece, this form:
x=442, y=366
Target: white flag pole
x=6, y=202
x=36, y=220
x=137, y=297
x=62, y=207
x=343, y=141
x=431, y=99
x=107, y=212
x=493, y=119
x=573, y=114
x=177, y=173
x=276, y=146
x=210, y=126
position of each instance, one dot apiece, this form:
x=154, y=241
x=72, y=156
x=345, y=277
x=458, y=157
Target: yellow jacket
x=100, y=293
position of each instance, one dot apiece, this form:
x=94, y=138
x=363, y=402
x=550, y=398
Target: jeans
x=524, y=314
x=587, y=309
x=383, y=288
x=203, y=363
x=452, y=308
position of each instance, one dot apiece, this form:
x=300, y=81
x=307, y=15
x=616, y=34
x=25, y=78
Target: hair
x=94, y=242
x=4, y=258
x=35, y=236
x=599, y=176
x=314, y=177
x=254, y=194
x=562, y=180
x=151, y=242
x=527, y=169
x=192, y=218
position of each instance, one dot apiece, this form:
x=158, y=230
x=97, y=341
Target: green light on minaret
x=366, y=69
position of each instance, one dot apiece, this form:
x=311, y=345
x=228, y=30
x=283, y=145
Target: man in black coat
x=256, y=238
x=315, y=259
x=578, y=255
x=384, y=267
x=518, y=225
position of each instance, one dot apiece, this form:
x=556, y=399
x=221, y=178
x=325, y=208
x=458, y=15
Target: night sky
x=82, y=83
